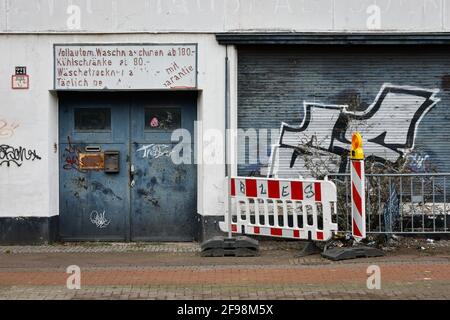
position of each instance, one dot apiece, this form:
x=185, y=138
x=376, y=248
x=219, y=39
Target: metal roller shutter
x=398, y=97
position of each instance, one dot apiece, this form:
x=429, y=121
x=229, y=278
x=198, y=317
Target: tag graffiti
x=154, y=151
x=7, y=129
x=71, y=157
x=99, y=219
x=418, y=162
x=388, y=125
x=12, y=155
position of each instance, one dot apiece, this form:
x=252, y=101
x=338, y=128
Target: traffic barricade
x=283, y=208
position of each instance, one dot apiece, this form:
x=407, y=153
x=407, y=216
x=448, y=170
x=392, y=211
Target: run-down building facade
x=113, y=113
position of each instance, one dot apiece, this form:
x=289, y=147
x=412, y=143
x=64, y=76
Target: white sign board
x=125, y=66
x=20, y=81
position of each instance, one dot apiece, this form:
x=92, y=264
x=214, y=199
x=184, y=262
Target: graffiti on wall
x=7, y=129
x=16, y=155
x=71, y=157
x=328, y=128
x=10, y=154
x=155, y=151
x=99, y=219
x=418, y=162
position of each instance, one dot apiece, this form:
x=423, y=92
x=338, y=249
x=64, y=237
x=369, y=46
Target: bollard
x=358, y=209
x=358, y=188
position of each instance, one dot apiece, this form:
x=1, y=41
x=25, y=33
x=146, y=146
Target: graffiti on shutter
x=388, y=125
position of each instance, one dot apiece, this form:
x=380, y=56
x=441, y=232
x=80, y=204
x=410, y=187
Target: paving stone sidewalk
x=98, y=247
x=102, y=247
x=176, y=271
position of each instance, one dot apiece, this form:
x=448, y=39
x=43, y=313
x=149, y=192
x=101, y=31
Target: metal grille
x=398, y=203
x=273, y=83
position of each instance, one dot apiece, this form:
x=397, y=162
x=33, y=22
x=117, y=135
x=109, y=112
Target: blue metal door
x=163, y=187
x=148, y=196
x=94, y=205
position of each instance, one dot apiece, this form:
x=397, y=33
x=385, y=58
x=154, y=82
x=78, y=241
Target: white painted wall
x=28, y=29
x=25, y=190
x=32, y=189
x=223, y=15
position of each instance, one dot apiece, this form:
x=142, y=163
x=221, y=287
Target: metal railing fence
x=398, y=203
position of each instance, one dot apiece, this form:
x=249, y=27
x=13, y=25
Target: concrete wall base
x=44, y=230
x=28, y=230
x=208, y=227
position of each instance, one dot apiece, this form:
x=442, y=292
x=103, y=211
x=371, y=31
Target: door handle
x=132, y=172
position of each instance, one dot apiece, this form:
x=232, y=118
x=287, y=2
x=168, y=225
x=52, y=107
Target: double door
x=127, y=167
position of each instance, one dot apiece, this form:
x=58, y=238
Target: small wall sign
x=92, y=161
x=20, y=80
x=21, y=70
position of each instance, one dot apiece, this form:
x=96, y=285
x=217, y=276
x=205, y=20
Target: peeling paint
x=147, y=196
x=97, y=186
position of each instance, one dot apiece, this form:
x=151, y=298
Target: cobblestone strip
x=227, y=276
x=170, y=247
x=248, y=292
x=104, y=248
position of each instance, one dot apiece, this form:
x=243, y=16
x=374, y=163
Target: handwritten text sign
x=125, y=67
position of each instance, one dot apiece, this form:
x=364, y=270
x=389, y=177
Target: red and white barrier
x=358, y=199
x=357, y=177
x=283, y=208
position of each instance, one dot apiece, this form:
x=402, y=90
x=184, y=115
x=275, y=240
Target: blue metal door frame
x=99, y=206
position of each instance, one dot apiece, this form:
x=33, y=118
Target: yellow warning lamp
x=357, y=152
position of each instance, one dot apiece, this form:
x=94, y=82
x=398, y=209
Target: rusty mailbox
x=112, y=161
x=95, y=159
x=92, y=161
